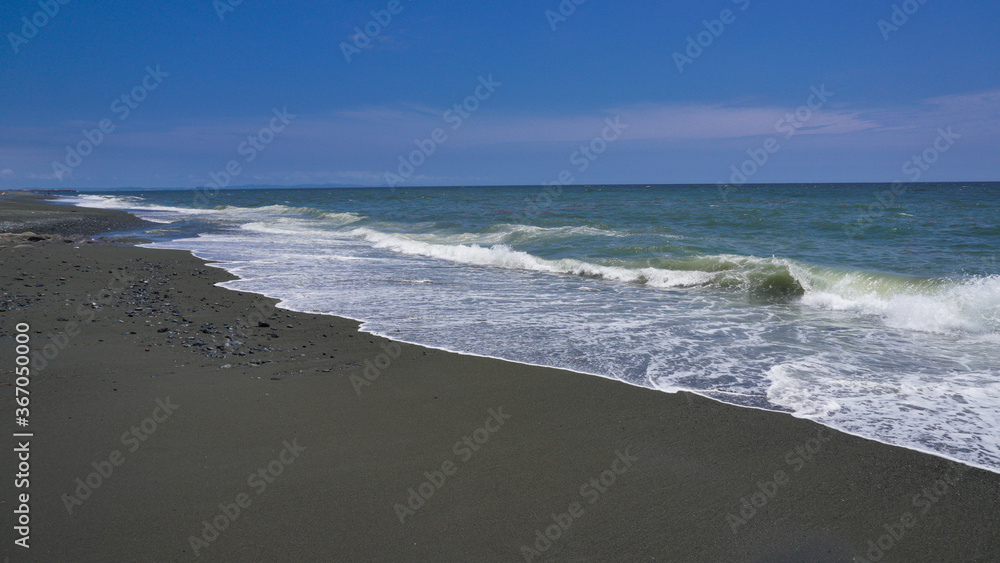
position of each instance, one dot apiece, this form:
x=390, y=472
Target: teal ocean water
x=869, y=308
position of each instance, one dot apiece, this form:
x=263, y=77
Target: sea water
x=873, y=309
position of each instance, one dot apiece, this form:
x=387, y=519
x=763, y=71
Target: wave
x=138, y=205
x=503, y=256
x=307, y=212
x=970, y=304
x=514, y=229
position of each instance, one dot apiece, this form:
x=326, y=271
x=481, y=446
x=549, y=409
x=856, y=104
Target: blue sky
x=207, y=83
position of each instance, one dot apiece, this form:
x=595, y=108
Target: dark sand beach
x=213, y=437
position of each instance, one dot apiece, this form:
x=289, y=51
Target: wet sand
x=198, y=433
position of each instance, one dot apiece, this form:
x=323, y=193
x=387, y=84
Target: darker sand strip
x=20, y=213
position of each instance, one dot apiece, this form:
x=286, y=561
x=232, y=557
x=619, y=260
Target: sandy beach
x=173, y=420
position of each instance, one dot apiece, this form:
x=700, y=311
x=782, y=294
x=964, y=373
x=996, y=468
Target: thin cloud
x=679, y=122
x=357, y=145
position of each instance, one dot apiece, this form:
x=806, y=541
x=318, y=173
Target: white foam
x=130, y=203
x=969, y=305
x=564, y=231
x=951, y=416
x=168, y=214
x=503, y=256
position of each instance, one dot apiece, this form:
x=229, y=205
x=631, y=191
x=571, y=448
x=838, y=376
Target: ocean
x=873, y=309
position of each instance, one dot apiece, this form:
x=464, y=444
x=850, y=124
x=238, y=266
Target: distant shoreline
x=360, y=187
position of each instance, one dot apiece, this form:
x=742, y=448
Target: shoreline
x=347, y=449
x=362, y=330
x=361, y=322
